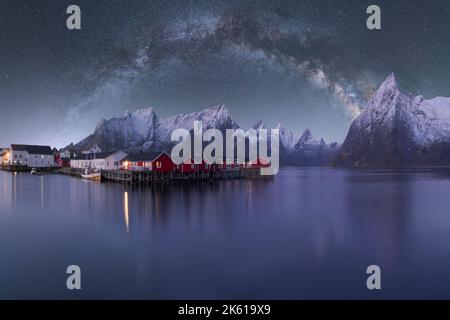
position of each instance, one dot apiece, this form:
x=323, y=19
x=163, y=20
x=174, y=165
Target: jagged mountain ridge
x=396, y=129
x=143, y=130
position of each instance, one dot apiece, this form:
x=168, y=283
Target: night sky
x=310, y=63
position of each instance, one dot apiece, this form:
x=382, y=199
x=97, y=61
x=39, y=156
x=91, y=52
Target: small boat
x=35, y=172
x=91, y=175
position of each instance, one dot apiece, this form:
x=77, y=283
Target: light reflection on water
x=309, y=233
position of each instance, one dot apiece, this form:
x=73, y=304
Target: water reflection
x=309, y=233
x=42, y=193
x=126, y=212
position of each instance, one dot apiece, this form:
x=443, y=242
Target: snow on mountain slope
x=288, y=138
x=432, y=120
x=131, y=131
x=142, y=130
x=396, y=129
x=217, y=117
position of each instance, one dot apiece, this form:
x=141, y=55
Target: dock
x=151, y=177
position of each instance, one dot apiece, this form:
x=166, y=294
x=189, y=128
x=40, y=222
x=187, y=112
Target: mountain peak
x=306, y=136
x=219, y=111
x=145, y=112
x=218, y=108
x=259, y=125
x=389, y=84
x=399, y=129
x=387, y=90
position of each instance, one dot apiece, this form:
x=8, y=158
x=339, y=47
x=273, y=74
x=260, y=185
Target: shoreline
x=147, y=177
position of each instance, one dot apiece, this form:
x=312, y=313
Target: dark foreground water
x=309, y=233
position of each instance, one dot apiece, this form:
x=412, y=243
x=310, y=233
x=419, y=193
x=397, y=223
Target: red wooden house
x=154, y=161
x=207, y=167
x=163, y=163
x=188, y=166
x=61, y=162
x=231, y=164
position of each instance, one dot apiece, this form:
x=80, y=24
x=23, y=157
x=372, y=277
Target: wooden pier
x=150, y=177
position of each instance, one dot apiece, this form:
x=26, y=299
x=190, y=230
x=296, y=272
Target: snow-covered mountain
x=396, y=129
x=309, y=151
x=143, y=130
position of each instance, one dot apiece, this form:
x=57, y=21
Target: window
x=158, y=164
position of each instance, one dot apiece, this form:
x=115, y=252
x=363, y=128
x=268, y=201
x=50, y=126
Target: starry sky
x=304, y=64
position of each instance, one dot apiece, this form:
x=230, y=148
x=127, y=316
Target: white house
x=94, y=149
x=31, y=156
x=99, y=161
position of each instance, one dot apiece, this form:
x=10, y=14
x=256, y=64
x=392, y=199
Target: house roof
x=32, y=149
x=148, y=156
x=93, y=156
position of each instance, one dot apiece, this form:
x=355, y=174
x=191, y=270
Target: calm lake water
x=309, y=233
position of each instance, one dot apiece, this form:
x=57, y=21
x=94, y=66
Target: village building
x=94, y=149
x=189, y=166
x=66, y=154
x=62, y=162
x=99, y=161
x=69, y=153
x=31, y=156
x=153, y=161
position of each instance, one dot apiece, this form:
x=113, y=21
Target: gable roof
x=147, y=156
x=93, y=156
x=32, y=149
